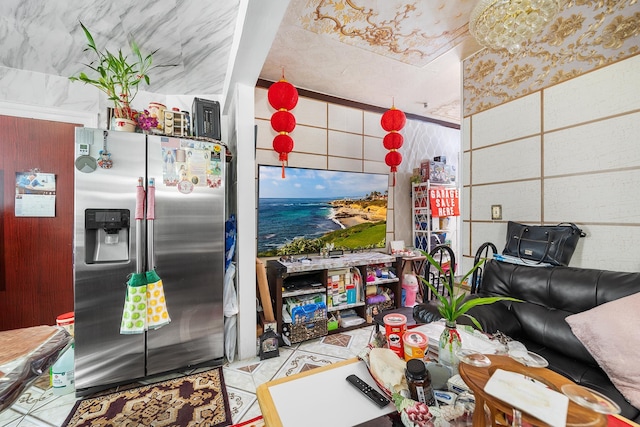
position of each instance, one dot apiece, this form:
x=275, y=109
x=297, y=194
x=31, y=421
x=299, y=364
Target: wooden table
x=319, y=397
x=476, y=378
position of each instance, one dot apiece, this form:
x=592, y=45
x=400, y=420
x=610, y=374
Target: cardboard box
x=425, y=167
x=440, y=173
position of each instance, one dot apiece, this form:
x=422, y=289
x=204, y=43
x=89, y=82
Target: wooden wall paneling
x=38, y=252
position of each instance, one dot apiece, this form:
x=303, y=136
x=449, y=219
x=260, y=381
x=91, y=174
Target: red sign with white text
x=444, y=201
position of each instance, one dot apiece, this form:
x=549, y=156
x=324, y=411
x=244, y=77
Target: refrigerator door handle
x=140, y=198
x=151, y=215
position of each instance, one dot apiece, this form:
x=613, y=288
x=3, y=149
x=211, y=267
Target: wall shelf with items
x=303, y=284
x=300, y=304
x=432, y=228
x=330, y=288
x=345, y=306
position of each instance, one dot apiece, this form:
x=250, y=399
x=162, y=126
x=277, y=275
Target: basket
x=308, y=313
x=306, y=331
x=389, y=304
x=383, y=306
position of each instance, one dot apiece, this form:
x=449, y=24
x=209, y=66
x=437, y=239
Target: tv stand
x=314, y=280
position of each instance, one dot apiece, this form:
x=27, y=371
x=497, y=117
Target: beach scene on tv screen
x=311, y=209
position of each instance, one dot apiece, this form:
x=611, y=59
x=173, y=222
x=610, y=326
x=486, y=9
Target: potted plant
x=452, y=307
x=117, y=76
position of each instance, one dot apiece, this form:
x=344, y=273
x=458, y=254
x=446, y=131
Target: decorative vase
x=448, y=347
x=126, y=125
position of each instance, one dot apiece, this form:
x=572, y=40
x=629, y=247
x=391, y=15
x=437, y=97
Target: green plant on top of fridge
x=116, y=74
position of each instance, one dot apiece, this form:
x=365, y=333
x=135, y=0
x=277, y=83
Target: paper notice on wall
x=35, y=194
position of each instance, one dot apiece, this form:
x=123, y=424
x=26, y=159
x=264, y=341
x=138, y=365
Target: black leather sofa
x=549, y=295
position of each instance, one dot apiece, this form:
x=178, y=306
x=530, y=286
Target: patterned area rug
x=194, y=400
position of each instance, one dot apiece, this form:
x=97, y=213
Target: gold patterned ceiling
x=408, y=32
x=412, y=52
x=586, y=35
x=377, y=52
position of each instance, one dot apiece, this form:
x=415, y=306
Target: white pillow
x=611, y=333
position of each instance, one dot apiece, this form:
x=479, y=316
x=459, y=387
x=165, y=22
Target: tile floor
x=39, y=407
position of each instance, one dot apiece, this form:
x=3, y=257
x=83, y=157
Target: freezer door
x=102, y=262
x=189, y=235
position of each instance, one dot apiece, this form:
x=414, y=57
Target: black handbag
x=549, y=244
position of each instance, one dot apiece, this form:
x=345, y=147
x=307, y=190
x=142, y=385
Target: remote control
x=368, y=391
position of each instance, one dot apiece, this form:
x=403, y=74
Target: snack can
x=415, y=345
x=66, y=321
x=395, y=325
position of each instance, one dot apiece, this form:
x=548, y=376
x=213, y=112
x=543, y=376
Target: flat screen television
x=312, y=208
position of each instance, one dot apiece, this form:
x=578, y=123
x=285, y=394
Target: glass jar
x=157, y=110
x=419, y=382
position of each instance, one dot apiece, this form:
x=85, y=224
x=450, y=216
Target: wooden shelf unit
x=283, y=276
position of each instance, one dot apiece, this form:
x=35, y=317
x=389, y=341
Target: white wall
x=22, y=92
x=422, y=141
x=241, y=139
x=337, y=137
x=327, y=136
x=26, y=90
x=565, y=153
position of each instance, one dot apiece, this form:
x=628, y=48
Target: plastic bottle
x=419, y=382
x=62, y=372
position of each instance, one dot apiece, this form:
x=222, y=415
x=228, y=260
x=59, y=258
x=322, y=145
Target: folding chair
x=445, y=257
x=482, y=252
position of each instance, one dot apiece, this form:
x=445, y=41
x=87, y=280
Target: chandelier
x=506, y=24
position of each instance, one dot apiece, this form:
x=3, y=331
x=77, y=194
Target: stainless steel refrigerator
x=184, y=244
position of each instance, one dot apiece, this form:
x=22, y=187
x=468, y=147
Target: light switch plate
x=496, y=212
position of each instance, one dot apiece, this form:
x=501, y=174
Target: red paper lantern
x=283, y=95
x=393, y=159
x=393, y=141
x=393, y=120
x=283, y=121
x=283, y=144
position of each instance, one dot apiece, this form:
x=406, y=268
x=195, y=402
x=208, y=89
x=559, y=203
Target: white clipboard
x=530, y=396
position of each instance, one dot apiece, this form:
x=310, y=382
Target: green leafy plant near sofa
x=453, y=306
